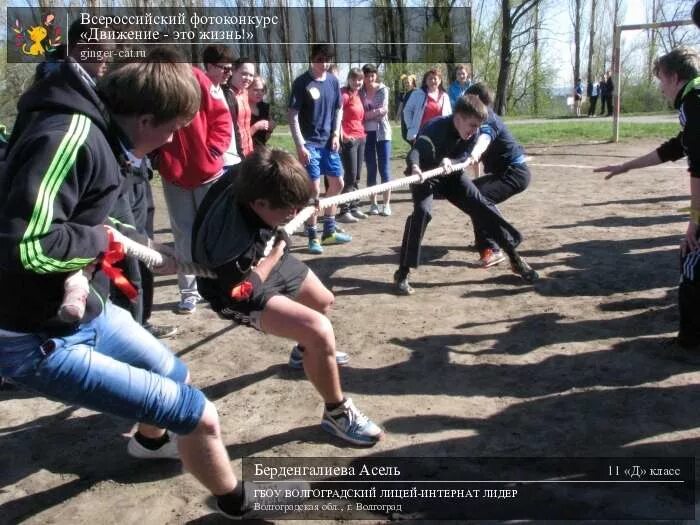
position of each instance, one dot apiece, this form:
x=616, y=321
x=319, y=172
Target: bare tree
x=652, y=36
x=485, y=51
x=442, y=10
x=511, y=28
x=285, y=33
x=401, y=27
x=591, y=40
x=616, y=9
x=576, y=11
x=313, y=30
x=680, y=35
x=536, y=88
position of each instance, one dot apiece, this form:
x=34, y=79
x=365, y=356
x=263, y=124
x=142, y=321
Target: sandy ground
x=475, y=364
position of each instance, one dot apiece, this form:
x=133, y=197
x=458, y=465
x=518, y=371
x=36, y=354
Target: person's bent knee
x=321, y=337
x=209, y=421
x=326, y=303
x=336, y=183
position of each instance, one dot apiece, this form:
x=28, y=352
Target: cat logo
x=36, y=41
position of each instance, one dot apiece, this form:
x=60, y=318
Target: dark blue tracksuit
x=506, y=171
x=437, y=140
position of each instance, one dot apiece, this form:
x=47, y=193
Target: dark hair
x=369, y=68
x=240, y=61
x=433, y=71
x=217, y=53
x=322, y=49
x=684, y=61
x=471, y=106
x=163, y=86
x=258, y=78
x=355, y=72
x=74, y=32
x=273, y=175
x=482, y=91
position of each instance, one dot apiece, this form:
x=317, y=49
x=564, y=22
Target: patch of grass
x=556, y=132
x=576, y=132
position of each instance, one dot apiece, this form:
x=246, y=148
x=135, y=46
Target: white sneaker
x=187, y=305
x=373, y=210
x=348, y=423
x=167, y=451
x=386, y=210
x=347, y=217
x=358, y=214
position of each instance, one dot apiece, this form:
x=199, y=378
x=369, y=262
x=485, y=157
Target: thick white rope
x=153, y=258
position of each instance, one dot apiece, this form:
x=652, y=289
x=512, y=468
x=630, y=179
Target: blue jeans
x=110, y=364
x=377, y=150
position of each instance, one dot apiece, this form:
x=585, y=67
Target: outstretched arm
x=650, y=159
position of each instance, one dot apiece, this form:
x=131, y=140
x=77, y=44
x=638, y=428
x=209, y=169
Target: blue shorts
x=323, y=161
x=110, y=364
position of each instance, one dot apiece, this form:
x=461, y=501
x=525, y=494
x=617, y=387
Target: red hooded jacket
x=195, y=154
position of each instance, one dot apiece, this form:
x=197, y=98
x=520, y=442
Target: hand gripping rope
x=153, y=258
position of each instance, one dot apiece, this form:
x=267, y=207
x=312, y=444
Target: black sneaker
x=402, y=286
x=524, y=270
x=686, y=343
x=6, y=384
x=161, y=331
x=269, y=505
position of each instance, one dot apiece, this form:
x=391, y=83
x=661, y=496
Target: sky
x=562, y=47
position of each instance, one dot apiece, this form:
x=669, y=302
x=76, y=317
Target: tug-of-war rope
x=153, y=258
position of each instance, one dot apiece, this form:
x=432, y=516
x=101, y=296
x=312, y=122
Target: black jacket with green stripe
x=58, y=183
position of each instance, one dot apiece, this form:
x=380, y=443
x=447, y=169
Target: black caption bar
x=473, y=488
x=266, y=35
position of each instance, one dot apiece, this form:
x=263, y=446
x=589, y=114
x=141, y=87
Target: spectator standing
x=218, y=65
x=352, y=143
x=408, y=85
x=603, y=93
x=426, y=103
x=609, y=90
x=242, y=75
x=314, y=120
x=375, y=99
x=592, y=97
x=460, y=85
x=261, y=124
x=188, y=166
x=578, y=96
